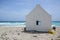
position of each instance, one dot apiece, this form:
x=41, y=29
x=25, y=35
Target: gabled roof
x=37, y=9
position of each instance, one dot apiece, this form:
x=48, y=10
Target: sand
x=16, y=33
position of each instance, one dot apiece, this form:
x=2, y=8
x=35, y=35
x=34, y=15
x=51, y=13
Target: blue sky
x=16, y=10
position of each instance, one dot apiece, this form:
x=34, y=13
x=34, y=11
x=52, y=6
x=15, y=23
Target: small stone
x=51, y=39
x=15, y=39
x=18, y=33
x=34, y=36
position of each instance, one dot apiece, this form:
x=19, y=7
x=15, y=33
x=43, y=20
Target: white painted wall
x=38, y=14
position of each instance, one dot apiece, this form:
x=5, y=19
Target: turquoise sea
x=22, y=23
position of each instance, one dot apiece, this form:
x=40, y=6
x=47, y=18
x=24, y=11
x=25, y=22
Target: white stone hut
x=38, y=20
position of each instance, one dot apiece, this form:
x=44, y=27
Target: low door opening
x=38, y=22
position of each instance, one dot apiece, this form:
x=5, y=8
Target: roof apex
x=37, y=5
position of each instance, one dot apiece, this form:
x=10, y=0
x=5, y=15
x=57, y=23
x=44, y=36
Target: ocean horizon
x=22, y=23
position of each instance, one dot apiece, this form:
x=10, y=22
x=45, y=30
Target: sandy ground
x=16, y=33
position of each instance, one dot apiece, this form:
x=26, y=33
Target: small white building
x=38, y=20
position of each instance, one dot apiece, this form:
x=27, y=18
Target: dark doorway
x=38, y=23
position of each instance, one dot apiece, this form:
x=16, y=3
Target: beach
x=17, y=33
